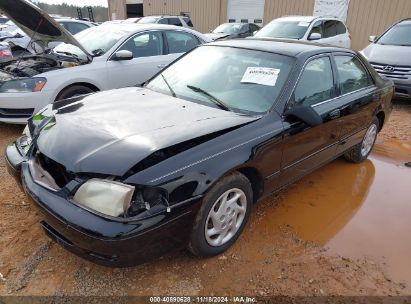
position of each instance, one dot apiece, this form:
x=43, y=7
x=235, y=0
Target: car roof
x=138, y=27
x=297, y=18
x=280, y=46
x=305, y=18
x=405, y=21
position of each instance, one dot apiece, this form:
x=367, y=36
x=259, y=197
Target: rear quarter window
x=341, y=29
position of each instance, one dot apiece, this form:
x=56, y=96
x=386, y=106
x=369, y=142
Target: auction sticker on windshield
x=263, y=76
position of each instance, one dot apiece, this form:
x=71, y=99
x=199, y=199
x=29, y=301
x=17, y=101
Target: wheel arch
x=84, y=84
x=381, y=119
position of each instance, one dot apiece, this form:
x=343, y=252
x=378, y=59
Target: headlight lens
x=107, y=197
x=24, y=85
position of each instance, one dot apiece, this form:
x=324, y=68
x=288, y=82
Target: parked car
x=390, y=55
x=183, y=21
x=326, y=30
x=233, y=30
x=123, y=176
x=99, y=58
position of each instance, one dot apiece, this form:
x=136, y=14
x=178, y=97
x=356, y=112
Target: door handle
x=161, y=66
x=335, y=114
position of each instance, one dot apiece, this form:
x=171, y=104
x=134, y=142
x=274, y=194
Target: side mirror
x=315, y=36
x=123, y=55
x=372, y=38
x=306, y=114
x=255, y=32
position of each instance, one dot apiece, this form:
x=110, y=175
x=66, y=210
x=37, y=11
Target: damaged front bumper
x=102, y=240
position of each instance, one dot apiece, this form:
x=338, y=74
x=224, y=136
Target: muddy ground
x=318, y=237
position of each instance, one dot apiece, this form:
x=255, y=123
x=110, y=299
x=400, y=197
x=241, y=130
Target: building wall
x=278, y=8
x=117, y=7
x=365, y=17
x=205, y=14
x=372, y=17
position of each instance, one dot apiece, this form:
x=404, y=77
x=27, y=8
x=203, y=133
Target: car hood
x=216, y=36
x=36, y=23
x=388, y=54
x=112, y=131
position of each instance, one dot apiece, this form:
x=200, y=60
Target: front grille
x=16, y=113
x=393, y=71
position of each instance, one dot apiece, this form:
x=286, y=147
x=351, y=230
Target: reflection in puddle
x=355, y=210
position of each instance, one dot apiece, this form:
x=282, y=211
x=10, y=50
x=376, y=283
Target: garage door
x=245, y=11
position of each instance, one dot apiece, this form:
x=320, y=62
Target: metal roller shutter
x=245, y=11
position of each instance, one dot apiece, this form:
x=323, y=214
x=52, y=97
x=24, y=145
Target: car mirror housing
x=372, y=38
x=315, y=36
x=123, y=55
x=306, y=114
x=255, y=32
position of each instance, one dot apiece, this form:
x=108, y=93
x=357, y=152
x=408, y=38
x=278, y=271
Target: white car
x=99, y=58
x=326, y=30
x=183, y=21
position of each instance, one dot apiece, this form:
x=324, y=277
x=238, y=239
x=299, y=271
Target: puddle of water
x=356, y=210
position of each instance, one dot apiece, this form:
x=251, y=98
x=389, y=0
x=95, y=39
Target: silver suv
x=390, y=55
x=183, y=21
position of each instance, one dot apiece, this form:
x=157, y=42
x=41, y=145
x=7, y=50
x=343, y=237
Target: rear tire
x=224, y=212
x=73, y=91
x=360, y=152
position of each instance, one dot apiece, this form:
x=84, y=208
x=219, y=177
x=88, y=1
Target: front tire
x=224, y=212
x=360, y=152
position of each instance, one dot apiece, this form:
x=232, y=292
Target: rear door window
x=316, y=83
x=351, y=74
x=174, y=21
x=330, y=28
x=180, y=42
x=163, y=21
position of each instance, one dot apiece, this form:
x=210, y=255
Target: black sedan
x=124, y=176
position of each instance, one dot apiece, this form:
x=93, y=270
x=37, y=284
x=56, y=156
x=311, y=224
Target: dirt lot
x=317, y=237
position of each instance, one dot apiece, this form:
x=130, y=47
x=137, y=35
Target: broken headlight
x=24, y=85
x=120, y=200
x=105, y=196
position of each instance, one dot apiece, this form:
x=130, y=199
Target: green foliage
x=100, y=12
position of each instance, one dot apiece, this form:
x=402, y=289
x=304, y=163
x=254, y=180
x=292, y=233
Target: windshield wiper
x=169, y=86
x=214, y=99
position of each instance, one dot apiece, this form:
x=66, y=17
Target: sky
x=76, y=2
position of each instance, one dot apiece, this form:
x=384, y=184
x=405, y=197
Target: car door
x=304, y=147
x=357, y=101
x=149, y=57
x=179, y=43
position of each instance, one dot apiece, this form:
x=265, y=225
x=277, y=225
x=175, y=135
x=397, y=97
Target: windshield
x=397, y=35
x=284, y=29
x=148, y=20
x=228, y=28
x=96, y=40
x=235, y=79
